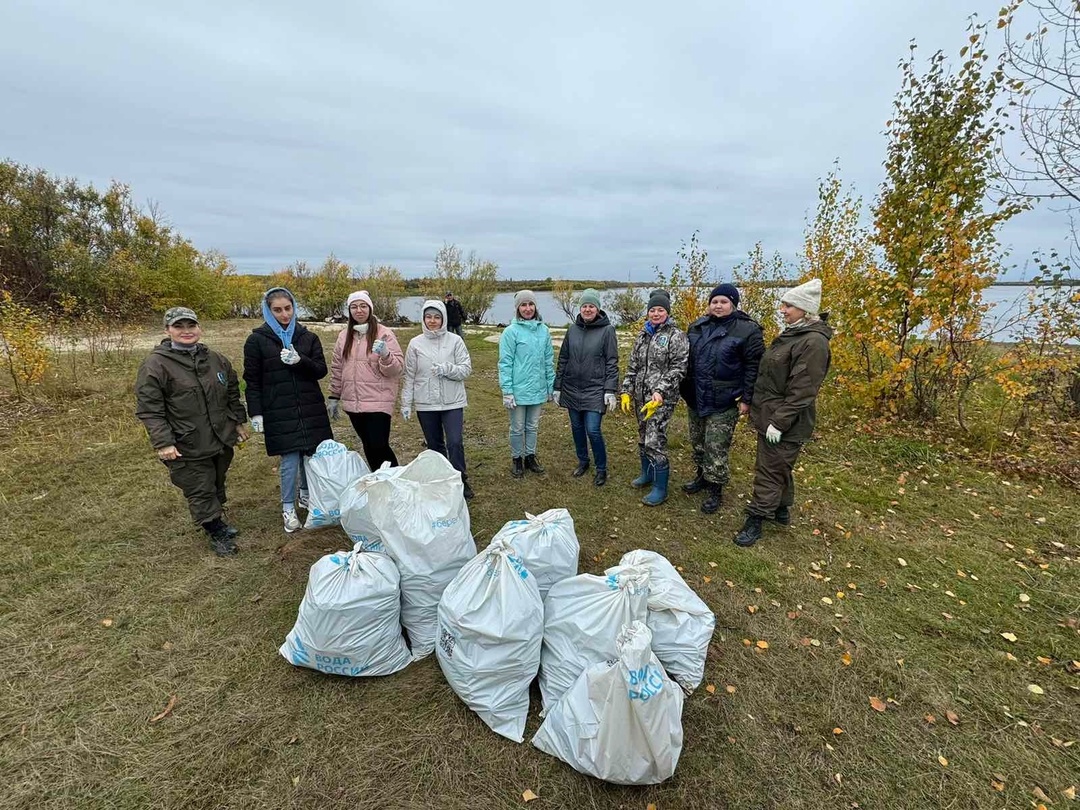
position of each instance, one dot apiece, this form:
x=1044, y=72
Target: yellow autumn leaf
x=107, y=622
x=729, y=689
x=1008, y=636
x=751, y=609
x=528, y=795
x=838, y=731
x=877, y=704
x=944, y=762
x=1035, y=689
x=901, y=562
x=763, y=645
x=711, y=689
x=846, y=659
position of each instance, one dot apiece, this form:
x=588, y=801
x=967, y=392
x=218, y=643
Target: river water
x=1005, y=302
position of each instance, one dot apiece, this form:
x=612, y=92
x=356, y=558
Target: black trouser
x=203, y=483
x=374, y=432
x=436, y=424
x=774, y=485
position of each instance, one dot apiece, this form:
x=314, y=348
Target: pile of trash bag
x=548, y=545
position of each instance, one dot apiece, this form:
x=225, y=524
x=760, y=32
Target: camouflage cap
x=174, y=314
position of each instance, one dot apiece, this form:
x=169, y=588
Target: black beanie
x=729, y=291
x=660, y=298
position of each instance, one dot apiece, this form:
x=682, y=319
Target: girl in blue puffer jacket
x=527, y=379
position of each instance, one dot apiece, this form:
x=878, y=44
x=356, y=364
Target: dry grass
x=92, y=530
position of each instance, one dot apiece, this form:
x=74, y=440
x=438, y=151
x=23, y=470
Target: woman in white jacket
x=436, y=365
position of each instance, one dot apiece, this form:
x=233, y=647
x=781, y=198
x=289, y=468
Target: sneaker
x=302, y=501
x=222, y=544
x=292, y=521
x=750, y=533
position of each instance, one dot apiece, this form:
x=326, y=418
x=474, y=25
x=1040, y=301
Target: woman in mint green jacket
x=527, y=379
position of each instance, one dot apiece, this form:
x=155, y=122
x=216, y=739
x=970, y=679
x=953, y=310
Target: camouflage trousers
x=652, y=434
x=711, y=438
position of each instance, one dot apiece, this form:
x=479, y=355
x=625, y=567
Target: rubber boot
x=646, y=476
x=695, y=486
x=533, y=465
x=659, y=491
x=712, y=503
x=750, y=533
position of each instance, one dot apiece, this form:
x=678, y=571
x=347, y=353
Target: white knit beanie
x=806, y=297
x=359, y=295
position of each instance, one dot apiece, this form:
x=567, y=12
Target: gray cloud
x=573, y=139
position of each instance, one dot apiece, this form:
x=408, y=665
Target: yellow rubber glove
x=625, y=400
x=649, y=408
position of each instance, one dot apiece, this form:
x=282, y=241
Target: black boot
x=466, y=490
x=750, y=533
x=518, y=469
x=581, y=469
x=695, y=486
x=222, y=544
x=600, y=479
x=532, y=465
x=783, y=516
x=716, y=495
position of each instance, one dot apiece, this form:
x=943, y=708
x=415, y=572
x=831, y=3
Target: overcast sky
x=561, y=138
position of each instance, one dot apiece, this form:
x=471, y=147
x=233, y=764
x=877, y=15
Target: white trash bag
x=621, y=720
x=329, y=472
x=419, y=513
x=356, y=518
x=548, y=545
x=349, y=620
x=681, y=623
x=491, y=625
x=582, y=617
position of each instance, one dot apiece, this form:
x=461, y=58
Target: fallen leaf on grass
x=706, y=580
x=1042, y=659
x=650, y=806
x=751, y=609
x=1025, y=598
x=952, y=717
x=901, y=562
x=295, y=781
x=1035, y=689
x=729, y=689
x=1069, y=793
x=528, y=795
x=168, y=645
x=711, y=689
x=1072, y=667
x=1008, y=636
x=164, y=712
x=996, y=785
x=256, y=598
x=942, y=761
x=792, y=614
x=712, y=565
x=877, y=704
x=763, y=645
x=746, y=642
x=826, y=600
x=1039, y=794
x=846, y=659
x=929, y=718
x=107, y=622
x=293, y=740
x=838, y=731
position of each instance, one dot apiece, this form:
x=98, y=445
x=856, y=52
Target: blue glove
x=379, y=347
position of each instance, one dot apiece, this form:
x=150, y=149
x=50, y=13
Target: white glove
x=406, y=412
x=611, y=402
x=256, y=424
x=772, y=435
x=290, y=356
x=379, y=347
x=509, y=402
x=439, y=369
x=332, y=406
x=555, y=397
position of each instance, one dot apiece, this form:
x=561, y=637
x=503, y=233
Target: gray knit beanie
x=660, y=298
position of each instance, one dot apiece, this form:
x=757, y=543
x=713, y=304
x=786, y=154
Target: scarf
x=284, y=333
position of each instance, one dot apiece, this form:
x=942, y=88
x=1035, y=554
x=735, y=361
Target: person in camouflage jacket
x=657, y=366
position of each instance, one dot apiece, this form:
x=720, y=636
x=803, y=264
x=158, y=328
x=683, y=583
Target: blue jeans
x=291, y=469
x=524, y=421
x=443, y=434
x=585, y=425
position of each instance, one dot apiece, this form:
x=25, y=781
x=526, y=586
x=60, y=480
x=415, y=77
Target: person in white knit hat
x=782, y=411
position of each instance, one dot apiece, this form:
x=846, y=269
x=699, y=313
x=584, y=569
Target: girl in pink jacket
x=364, y=378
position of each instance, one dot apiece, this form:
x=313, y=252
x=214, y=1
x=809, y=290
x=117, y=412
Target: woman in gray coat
x=586, y=379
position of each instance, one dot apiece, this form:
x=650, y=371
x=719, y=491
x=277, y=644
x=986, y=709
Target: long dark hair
x=350, y=335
